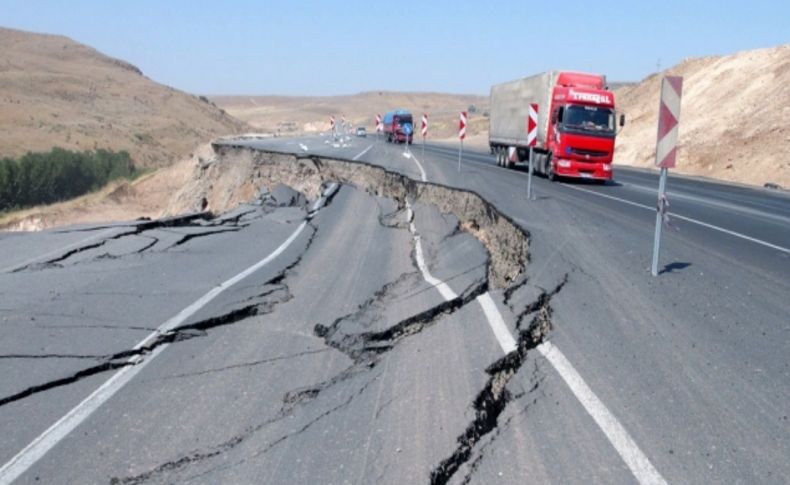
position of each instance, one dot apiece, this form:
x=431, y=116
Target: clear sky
x=315, y=47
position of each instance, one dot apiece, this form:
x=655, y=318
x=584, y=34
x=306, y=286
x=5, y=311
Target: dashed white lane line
x=362, y=152
x=65, y=425
x=640, y=466
x=687, y=219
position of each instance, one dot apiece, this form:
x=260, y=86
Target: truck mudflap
x=582, y=170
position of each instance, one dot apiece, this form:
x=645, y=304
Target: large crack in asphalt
x=205, y=223
x=274, y=292
x=506, y=242
x=137, y=229
x=536, y=380
x=507, y=247
x=364, y=349
x=492, y=400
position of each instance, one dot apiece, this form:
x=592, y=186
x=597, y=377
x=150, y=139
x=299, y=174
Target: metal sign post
x=424, y=132
x=666, y=151
x=532, y=139
x=529, y=177
x=461, y=136
x=407, y=130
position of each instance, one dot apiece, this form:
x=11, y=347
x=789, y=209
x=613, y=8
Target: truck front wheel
x=550, y=171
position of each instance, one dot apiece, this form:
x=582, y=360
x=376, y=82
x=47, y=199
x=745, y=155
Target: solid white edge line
x=362, y=152
x=624, y=445
x=687, y=219
x=422, y=170
x=443, y=288
x=497, y=323
x=29, y=455
x=637, y=462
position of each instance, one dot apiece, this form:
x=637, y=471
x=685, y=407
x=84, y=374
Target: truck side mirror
x=622, y=120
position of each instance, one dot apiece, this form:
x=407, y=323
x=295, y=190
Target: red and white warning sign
x=532, y=125
x=379, y=126
x=512, y=154
x=424, y=129
x=462, y=126
x=668, y=118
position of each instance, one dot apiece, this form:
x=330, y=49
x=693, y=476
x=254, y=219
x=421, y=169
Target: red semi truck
x=576, y=124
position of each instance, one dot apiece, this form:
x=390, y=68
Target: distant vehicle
x=398, y=126
x=576, y=124
x=361, y=131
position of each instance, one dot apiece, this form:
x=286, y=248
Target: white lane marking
x=497, y=323
x=303, y=147
x=636, y=204
x=617, y=435
x=637, y=462
x=709, y=202
x=687, y=219
x=362, y=152
x=447, y=292
x=65, y=425
x=422, y=171
x=65, y=249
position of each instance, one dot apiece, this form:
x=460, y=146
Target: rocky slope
x=57, y=92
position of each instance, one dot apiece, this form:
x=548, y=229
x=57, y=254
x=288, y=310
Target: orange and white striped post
x=666, y=151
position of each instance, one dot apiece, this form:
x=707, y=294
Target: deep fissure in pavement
x=506, y=242
x=507, y=246
x=275, y=292
x=492, y=400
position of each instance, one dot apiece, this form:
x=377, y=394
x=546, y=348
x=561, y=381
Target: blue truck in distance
x=398, y=126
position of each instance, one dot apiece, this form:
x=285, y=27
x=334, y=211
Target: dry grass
x=57, y=92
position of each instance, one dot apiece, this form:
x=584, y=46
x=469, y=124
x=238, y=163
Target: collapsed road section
x=389, y=329
x=238, y=170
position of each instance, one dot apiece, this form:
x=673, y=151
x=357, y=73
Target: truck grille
x=592, y=153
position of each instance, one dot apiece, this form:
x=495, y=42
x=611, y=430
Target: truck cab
x=398, y=126
x=580, y=137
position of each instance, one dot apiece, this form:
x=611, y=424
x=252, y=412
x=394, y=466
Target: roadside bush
x=44, y=178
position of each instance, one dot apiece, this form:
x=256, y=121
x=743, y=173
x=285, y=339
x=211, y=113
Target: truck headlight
x=564, y=163
x=607, y=167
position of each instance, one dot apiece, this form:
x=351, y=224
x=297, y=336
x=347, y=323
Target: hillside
x=734, y=120
x=57, y=92
x=301, y=114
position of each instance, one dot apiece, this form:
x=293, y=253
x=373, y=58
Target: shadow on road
x=676, y=266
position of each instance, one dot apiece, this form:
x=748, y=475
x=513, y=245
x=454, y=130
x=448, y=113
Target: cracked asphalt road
x=338, y=363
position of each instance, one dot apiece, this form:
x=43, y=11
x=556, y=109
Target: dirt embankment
x=734, y=120
x=149, y=196
x=237, y=175
x=57, y=92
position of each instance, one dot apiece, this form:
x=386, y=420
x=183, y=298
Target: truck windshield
x=403, y=120
x=591, y=119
